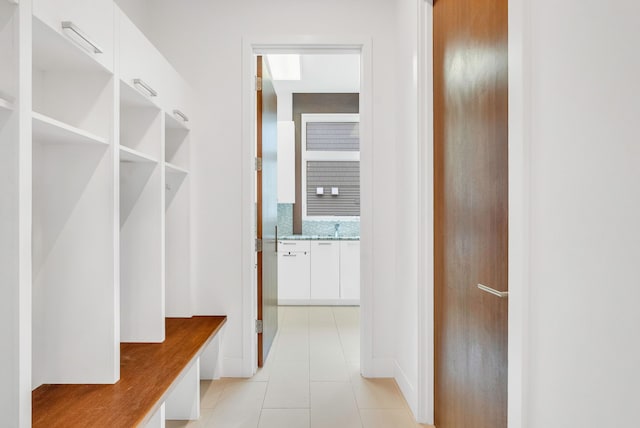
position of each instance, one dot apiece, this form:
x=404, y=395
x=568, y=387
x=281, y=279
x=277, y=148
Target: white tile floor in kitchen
x=311, y=380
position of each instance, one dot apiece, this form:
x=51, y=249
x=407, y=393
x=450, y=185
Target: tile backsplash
x=314, y=227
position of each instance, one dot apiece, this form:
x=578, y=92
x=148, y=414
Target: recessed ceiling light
x=285, y=67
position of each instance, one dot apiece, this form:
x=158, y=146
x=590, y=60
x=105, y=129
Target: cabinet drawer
x=94, y=20
x=290, y=246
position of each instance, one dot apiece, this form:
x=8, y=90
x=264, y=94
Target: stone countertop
x=317, y=238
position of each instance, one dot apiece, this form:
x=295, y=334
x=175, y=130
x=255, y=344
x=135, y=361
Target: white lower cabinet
x=294, y=281
x=325, y=270
x=318, y=272
x=350, y=270
x=294, y=267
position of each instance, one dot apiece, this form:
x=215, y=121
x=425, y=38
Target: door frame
x=520, y=123
x=252, y=46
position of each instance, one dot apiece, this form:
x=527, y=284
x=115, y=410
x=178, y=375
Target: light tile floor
x=311, y=380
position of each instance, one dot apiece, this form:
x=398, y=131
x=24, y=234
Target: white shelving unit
x=15, y=217
x=179, y=294
x=47, y=130
x=74, y=247
x=142, y=308
x=94, y=199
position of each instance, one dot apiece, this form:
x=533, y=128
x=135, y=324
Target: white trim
x=520, y=81
x=319, y=302
x=306, y=155
x=306, y=44
x=408, y=390
x=424, y=410
x=233, y=367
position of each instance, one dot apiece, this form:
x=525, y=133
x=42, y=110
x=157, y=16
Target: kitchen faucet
x=337, y=233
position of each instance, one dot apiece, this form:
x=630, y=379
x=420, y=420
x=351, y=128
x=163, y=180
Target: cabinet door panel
x=94, y=18
x=350, y=269
x=325, y=270
x=293, y=276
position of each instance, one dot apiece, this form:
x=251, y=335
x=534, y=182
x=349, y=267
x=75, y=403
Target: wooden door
x=267, y=210
x=471, y=209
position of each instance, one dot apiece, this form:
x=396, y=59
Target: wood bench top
x=147, y=371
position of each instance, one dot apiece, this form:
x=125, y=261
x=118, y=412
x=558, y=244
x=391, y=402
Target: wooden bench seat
x=147, y=373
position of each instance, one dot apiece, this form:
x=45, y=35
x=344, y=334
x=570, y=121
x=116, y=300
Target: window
x=330, y=166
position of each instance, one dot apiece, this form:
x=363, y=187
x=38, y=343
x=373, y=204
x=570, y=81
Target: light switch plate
x=334, y=191
x=319, y=190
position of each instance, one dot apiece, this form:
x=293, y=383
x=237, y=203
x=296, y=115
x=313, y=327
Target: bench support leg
x=211, y=359
x=157, y=420
x=184, y=401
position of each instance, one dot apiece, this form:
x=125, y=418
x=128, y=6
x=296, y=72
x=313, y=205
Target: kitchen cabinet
x=294, y=280
x=318, y=272
x=325, y=270
x=350, y=270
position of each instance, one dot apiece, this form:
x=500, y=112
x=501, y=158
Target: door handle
x=490, y=290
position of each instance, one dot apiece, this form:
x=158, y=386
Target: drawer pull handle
x=181, y=115
x=68, y=25
x=145, y=86
x=325, y=243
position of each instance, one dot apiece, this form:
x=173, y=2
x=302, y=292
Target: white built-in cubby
x=142, y=309
x=15, y=220
x=94, y=195
x=178, y=288
x=75, y=295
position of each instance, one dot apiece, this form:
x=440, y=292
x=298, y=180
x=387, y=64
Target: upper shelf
x=131, y=97
x=52, y=51
x=5, y=105
x=51, y=131
x=173, y=121
x=173, y=169
x=130, y=155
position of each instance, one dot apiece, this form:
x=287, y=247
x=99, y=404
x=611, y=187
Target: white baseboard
x=233, y=367
x=407, y=388
x=319, y=302
x=380, y=367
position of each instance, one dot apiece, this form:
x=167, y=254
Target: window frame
x=323, y=155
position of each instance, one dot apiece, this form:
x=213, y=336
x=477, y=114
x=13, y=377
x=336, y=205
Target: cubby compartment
x=70, y=88
x=74, y=296
x=177, y=252
x=178, y=287
x=140, y=123
x=176, y=141
x=141, y=249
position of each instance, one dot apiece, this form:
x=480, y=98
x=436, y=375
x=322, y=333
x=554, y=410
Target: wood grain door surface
x=471, y=212
x=267, y=211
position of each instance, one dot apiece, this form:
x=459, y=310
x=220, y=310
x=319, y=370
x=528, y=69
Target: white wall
x=204, y=42
x=406, y=200
x=583, y=98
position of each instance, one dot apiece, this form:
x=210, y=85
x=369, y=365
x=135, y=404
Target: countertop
x=317, y=238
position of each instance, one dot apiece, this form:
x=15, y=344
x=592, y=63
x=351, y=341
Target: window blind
x=344, y=175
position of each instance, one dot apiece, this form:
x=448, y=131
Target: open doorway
x=328, y=100
x=317, y=258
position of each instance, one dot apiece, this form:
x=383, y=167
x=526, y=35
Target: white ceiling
x=324, y=73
